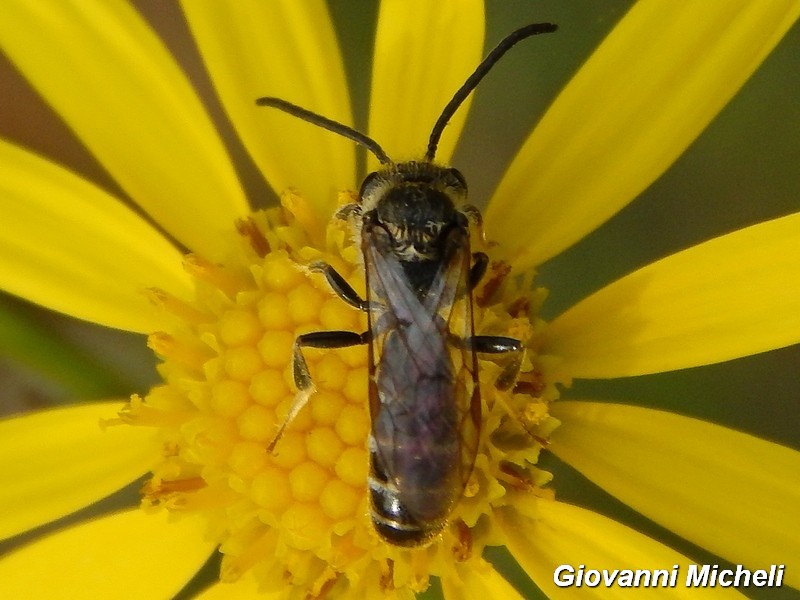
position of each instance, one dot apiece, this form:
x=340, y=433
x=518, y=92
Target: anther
x=168, y=347
x=183, y=310
x=217, y=276
x=249, y=230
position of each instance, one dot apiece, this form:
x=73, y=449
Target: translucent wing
x=424, y=393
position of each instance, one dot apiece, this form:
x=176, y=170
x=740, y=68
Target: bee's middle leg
x=321, y=339
x=302, y=377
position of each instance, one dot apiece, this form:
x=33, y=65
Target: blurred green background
x=743, y=169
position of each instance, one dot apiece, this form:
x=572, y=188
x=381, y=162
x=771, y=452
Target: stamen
x=472, y=487
x=515, y=477
x=178, y=308
x=303, y=214
x=492, y=282
x=139, y=413
x=530, y=383
x=233, y=568
x=248, y=229
x=387, y=577
x=462, y=549
x=324, y=584
x=163, y=488
x=520, y=307
x=219, y=277
x=169, y=348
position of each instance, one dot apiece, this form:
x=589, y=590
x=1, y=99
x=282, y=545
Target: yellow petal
x=726, y=491
x=478, y=582
x=566, y=535
x=102, y=68
x=70, y=246
x=423, y=53
x=128, y=554
x=54, y=462
x=729, y=297
x=286, y=49
x=647, y=92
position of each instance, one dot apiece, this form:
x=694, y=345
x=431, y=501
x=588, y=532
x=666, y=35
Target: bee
x=413, y=224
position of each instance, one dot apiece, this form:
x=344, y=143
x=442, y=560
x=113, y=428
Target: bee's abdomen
x=394, y=524
x=411, y=497
x=392, y=518
x=415, y=453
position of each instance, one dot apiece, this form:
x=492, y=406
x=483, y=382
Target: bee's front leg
x=340, y=286
x=302, y=377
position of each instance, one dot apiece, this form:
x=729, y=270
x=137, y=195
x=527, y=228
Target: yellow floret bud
x=267, y=387
x=276, y=348
x=290, y=450
x=305, y=525
x=257, y=423
x=273, y=311
x=229, y=398
x=355, y=384
x=279, y=274
x=304, y=304
x=353, y=424
x=238, y=327
x=326, y=406
x=270, y=489
x=330, y=372
x=307, y=480
x=335, y=314
x=339, y=500
x=354, y=356
x=324, y=446
x=351, y=467
x=247, y=458
x=243, y=363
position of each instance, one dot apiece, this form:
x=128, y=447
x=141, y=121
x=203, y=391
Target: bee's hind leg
x=491, y=344
x=302, y=377
x=498, y=344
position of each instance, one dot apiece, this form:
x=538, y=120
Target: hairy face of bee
x=415, y=203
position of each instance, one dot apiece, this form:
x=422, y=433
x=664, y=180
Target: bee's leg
x=473, y=213
x=491, y=344
x=321, y=339
x=478, y=269
x=348, y=211
x=340, y=286
x=497, y=344
x=302, y=378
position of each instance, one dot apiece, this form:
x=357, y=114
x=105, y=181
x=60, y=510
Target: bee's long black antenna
x=474, y=79
x=326, y=123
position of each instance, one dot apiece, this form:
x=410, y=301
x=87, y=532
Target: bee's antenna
x=330, y=125
x=474, y=79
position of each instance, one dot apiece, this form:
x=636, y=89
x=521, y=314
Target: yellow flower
x=293, y=522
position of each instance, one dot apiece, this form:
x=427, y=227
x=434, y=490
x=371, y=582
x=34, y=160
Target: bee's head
x=415, y=204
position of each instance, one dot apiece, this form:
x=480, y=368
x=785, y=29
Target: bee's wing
x=439, y=326
x=454, y=304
